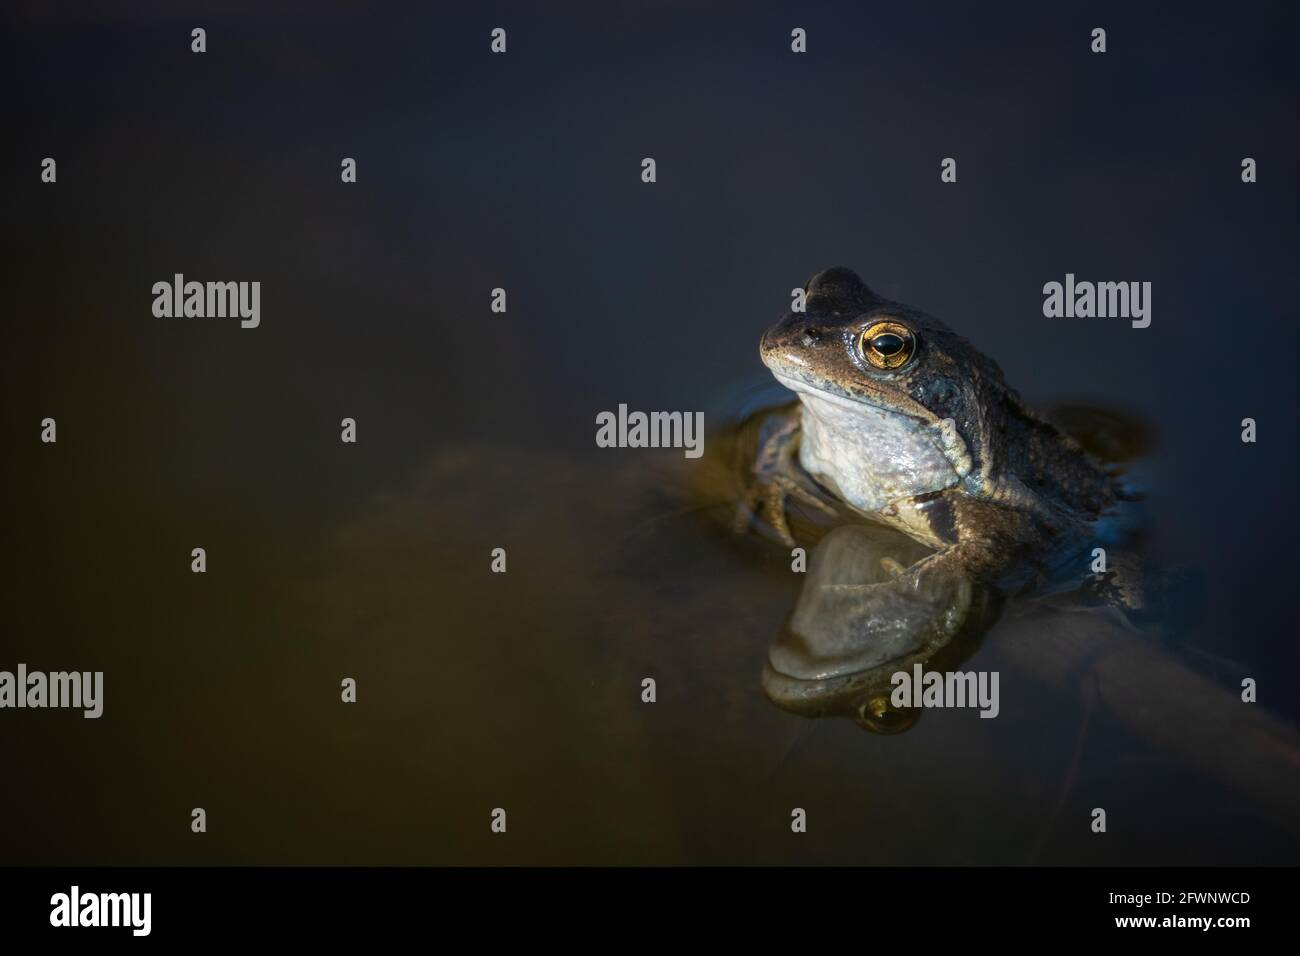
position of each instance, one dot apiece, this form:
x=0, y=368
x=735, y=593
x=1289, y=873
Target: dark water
x=476, y=430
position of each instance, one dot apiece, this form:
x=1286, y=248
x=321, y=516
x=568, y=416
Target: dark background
x=523, y=171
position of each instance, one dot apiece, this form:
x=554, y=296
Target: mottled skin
x=940, y=447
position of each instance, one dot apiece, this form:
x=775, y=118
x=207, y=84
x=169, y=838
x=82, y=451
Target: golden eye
x=887, y=345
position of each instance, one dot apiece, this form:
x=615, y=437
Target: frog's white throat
x=870, y=456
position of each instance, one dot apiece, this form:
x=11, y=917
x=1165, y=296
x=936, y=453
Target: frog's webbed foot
x=775, y=480
x=768, y=498
x=1123, y=585
x=1147, y=595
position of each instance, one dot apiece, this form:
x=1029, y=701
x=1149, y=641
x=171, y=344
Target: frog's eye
x=887, y=345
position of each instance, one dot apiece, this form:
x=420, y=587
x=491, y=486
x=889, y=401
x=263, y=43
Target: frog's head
x=895, y=404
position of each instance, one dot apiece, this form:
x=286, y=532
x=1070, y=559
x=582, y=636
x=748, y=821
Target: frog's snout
x=786, y=344
x=776, y=336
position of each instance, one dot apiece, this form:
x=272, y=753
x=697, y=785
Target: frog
x=902, y=422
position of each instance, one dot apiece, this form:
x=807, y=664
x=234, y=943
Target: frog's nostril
x=811, y=337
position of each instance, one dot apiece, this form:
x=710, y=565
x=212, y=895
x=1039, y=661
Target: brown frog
x=904, y=422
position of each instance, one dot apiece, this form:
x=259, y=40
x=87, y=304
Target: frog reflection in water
x=901, y=420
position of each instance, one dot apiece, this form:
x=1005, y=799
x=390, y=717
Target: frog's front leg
x=776, y=478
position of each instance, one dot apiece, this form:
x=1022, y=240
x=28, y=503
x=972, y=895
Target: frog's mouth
x=801, y=387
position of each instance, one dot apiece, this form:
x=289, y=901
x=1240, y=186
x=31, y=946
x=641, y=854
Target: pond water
x=523, y=691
